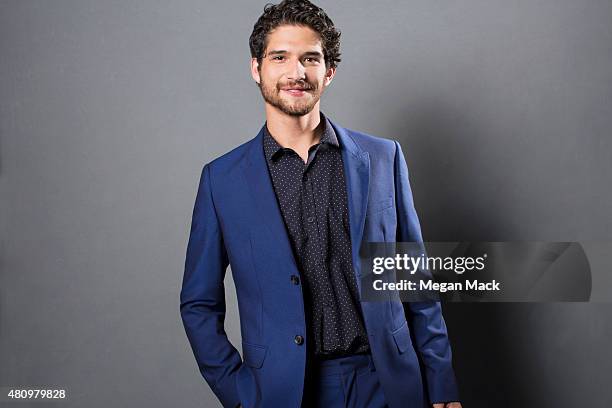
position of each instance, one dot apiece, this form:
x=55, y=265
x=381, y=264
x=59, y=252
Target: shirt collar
x=272, y=147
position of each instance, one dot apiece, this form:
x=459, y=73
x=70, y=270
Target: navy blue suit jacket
x=237, y=221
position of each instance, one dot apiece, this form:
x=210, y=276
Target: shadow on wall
x=499, y=349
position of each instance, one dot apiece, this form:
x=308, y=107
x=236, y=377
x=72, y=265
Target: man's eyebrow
x=307, y=54
x=277, y=52
x=313, y=54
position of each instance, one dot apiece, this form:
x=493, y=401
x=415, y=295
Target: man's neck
x=295, y=132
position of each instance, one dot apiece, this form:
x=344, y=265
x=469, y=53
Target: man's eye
x=278, y=57
x=312, y=59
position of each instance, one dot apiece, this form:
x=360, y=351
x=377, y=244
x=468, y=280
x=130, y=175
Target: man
x=288, y=210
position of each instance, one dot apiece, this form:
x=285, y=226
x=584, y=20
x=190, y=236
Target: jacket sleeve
x=202, y=298
x=425, y=318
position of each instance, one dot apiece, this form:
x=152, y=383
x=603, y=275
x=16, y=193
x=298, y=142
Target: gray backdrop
x=109, y=109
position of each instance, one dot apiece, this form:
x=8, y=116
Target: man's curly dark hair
x=298, y=12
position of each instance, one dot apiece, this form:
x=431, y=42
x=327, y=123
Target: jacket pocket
x=253, y=354
x=402, y=338
x=380, y=205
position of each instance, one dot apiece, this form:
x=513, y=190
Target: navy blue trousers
x=344, y=382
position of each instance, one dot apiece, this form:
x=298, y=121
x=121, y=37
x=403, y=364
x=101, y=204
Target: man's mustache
x=304, y=86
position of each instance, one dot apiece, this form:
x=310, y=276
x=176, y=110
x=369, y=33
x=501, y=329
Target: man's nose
x=296, y=70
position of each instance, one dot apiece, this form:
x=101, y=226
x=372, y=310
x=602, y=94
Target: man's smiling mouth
x=295, y=92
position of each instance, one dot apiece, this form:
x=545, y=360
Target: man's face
x=292, y=74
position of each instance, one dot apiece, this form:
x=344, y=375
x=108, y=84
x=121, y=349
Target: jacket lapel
x=357, y=175
x=267, y=210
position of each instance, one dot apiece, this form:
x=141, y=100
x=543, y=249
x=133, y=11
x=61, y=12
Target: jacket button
x=299, y=340
x=295, y=280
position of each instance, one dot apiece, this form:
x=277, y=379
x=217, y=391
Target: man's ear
x=329, y=75
x=255, y=70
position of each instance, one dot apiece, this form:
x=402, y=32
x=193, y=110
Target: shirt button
x=299, y=340
x=295, y=280
x=310, y=219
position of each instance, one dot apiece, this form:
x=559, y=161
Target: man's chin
x=295, y=109
x=301, y=111
x=291, y=108
x=298, y=108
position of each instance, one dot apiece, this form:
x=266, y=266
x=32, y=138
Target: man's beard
x=271, y=94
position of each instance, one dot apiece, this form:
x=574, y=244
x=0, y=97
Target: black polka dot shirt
x=313, y=201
